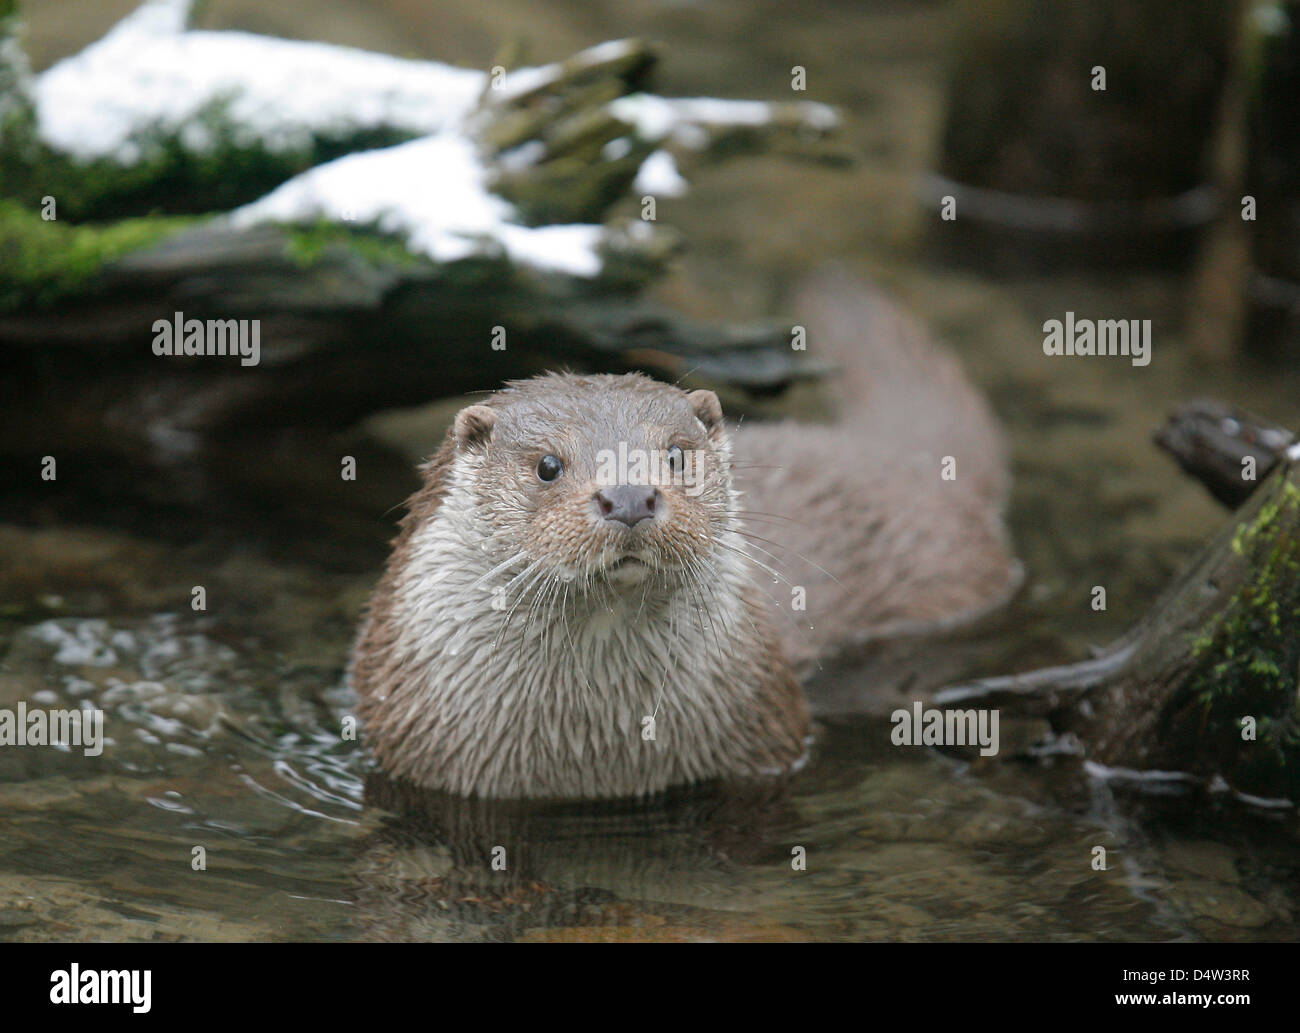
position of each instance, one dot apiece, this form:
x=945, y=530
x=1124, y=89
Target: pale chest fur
x=509, y=692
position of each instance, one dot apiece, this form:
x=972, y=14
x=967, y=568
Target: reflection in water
x=443, y=867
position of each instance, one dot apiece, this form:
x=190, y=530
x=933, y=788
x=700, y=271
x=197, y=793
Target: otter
x=603, y=590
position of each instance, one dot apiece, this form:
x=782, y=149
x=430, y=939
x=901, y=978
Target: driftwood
x=1206, y=683
x=1227, y=449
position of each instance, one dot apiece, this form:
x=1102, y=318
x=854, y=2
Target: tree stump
x=1078, y=131
x=1273, y=184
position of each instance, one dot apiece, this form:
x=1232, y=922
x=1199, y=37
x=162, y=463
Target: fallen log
x=1206, y=683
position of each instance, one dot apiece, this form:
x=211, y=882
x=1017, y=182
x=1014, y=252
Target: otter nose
x=627, y=503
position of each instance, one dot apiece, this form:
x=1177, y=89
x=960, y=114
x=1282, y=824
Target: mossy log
x=1206, y=683
x=349, y=324
x=544, y=135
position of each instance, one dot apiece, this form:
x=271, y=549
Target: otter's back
x=860, y=513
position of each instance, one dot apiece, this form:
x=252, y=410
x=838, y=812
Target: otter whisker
x=710, y=576
x=533, y=609
x=750, y=514
x=812, y=563
x=522, y=574
x=776, y=574
x=674, y=640
x=523, y=593
x=697, y=587
x=493, y=571
x=794, y=623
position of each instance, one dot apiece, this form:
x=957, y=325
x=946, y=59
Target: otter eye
x=675, y=458
x=549, y=468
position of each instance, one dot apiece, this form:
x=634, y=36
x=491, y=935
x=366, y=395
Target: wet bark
x=1206, y=683
x=1227, y=449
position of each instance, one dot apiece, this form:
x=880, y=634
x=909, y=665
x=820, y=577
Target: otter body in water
x=547, y=628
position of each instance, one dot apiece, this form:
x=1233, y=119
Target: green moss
x=44, y=262
x=308, y=243
x=1247, y=663
x=171, y=178
x=168, y=176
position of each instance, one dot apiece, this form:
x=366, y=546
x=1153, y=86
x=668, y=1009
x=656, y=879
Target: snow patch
x=151, y=79
x=658, y=175
x=680, y=119
x=433, y=194
x=147, y=76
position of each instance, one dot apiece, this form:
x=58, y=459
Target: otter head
x=600, y=479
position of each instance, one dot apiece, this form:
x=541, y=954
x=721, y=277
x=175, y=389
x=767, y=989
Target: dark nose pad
x=627, y=503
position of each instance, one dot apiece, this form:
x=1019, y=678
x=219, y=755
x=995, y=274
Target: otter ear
x=473, y=425
x=708, y=409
